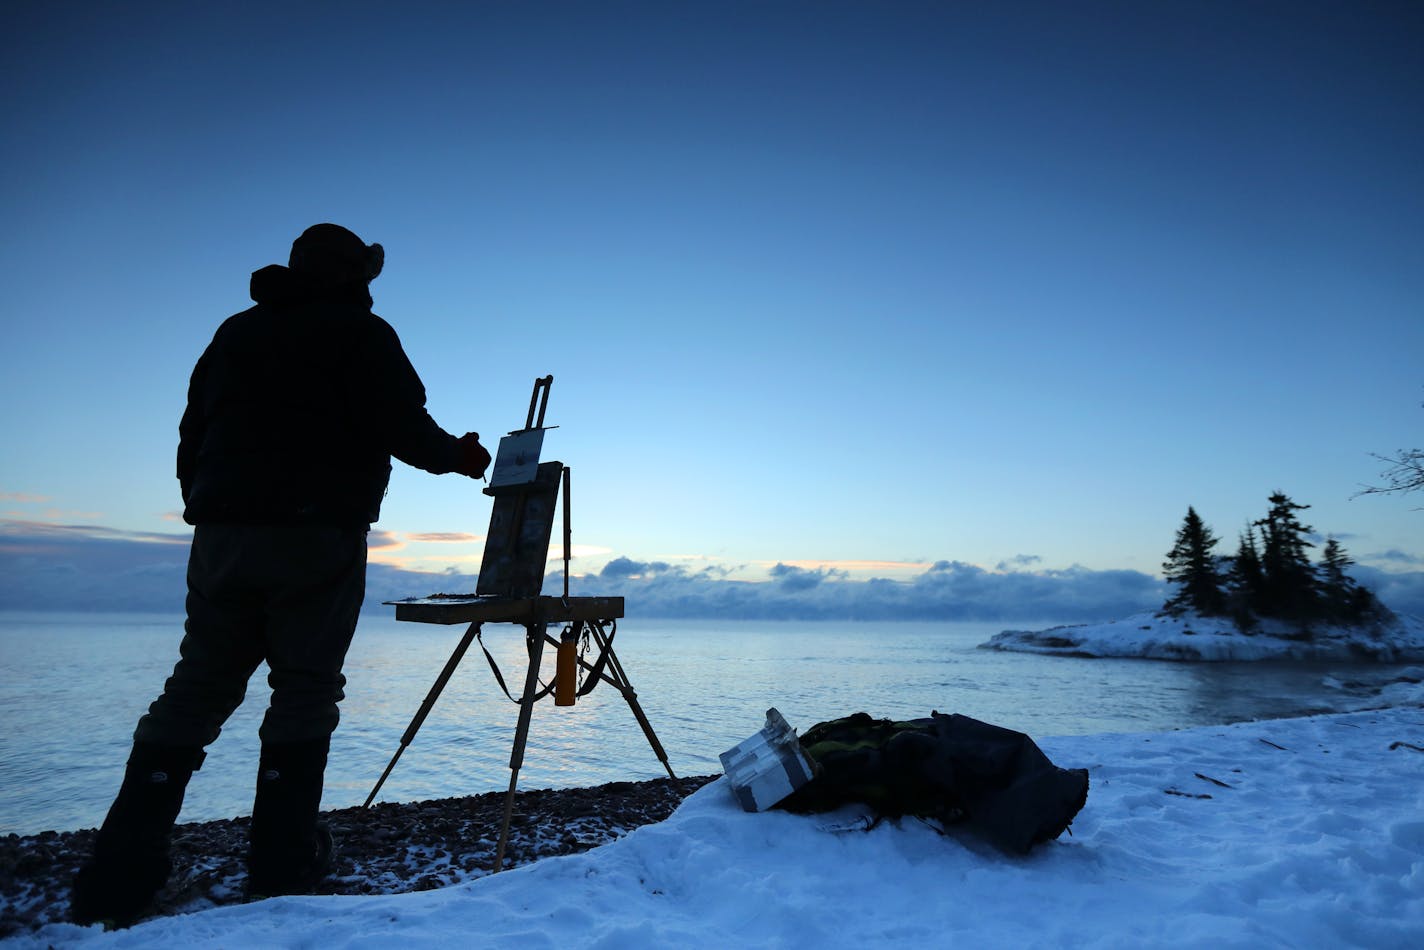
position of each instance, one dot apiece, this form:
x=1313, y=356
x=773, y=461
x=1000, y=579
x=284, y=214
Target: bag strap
x=595, y=673
x=499, y=677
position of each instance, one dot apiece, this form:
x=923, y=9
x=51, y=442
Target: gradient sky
x=862, y=286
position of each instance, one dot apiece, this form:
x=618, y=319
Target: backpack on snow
x=948, y=768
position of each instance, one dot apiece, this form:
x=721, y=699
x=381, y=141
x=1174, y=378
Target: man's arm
x=401, y=419
x=192, y=428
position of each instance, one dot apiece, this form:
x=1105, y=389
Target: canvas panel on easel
x=517, y=545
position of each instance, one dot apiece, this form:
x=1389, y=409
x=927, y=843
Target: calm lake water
x=72, y=687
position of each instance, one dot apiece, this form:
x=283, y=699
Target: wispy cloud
x=1393, y=556
x=51, y=514
x=1018, y=562
x=384, y=541
x=440, y=552
x=18, y=529
x=69, y=514
x=421, y=564
x=24, y=498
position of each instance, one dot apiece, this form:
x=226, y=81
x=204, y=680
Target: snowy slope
x=1286, y=833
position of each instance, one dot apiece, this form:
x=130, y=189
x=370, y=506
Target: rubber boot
x=290, y=850
x=131, y=863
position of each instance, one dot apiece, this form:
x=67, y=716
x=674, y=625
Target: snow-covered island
x=1265, y=602
x=1190, y=636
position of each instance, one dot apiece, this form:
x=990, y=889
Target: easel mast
x=508, y=590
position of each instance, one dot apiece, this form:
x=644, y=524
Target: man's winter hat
x=329, y=252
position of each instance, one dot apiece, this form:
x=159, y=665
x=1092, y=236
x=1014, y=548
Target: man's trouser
x=287, y=594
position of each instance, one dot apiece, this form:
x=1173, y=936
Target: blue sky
x=855, y=288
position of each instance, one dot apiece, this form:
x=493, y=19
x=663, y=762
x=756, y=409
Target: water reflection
x=72, y=688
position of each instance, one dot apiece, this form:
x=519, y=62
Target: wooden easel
x=509, y=591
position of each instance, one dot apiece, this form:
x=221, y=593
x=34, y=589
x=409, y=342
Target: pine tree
x=1245, y=580
x=1288, y=580
x=1193, y=568
x=1336, y=587
x=1342, y=598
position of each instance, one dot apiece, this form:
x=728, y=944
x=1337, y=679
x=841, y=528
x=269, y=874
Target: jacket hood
x=279, y=286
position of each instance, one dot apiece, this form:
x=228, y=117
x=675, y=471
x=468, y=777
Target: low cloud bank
x=1401, y=592
x=949, y=590
x=77, y=567
x=49, y=567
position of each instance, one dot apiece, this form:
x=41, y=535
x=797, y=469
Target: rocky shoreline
x=389, y=848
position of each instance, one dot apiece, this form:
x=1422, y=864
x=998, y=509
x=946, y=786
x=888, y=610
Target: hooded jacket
x=296, y=408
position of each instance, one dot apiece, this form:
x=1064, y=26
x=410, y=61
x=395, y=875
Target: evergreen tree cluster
x=1270, y=575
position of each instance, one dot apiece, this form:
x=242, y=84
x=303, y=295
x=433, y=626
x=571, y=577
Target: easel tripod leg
x=426, y=706
x=534, y=642
x=620, y=679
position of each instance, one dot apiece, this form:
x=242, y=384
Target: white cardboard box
x=766, y=767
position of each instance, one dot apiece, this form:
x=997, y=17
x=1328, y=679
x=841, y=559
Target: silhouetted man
x=294, y=411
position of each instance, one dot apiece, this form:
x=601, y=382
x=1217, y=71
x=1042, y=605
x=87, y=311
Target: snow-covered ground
x=1284, y=833
x=1190, y=637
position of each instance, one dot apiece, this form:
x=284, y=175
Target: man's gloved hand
x=474, y=458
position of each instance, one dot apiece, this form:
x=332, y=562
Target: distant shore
x=1190, y=637
x=390, y=848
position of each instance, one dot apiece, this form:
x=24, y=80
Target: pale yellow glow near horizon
x=853, y=566
x=467, y=561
